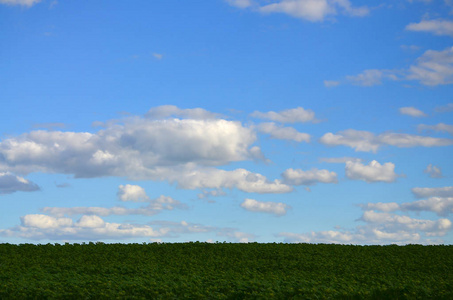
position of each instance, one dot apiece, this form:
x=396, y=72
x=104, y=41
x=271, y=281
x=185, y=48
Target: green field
x=225, y=271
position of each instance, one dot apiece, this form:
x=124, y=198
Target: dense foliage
x=225, y=271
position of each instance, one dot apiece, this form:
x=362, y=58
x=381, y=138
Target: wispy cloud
x=276, y=208
x=283, y=133
x=431, y=69
x=366, y=141
x=433, y=171
x=20, y=2
x=438, y=127
x=293, y=115
x=411, y=111
x=309, y=177
x=437, y=27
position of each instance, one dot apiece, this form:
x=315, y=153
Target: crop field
x=225, y=271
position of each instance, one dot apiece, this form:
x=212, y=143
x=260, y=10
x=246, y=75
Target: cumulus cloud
x=373, y=172
x=93, y=227
x=433, y=171
x=394, y=222
x=433, y=192
x=379, y=228
x=412, y=111
x=294, y=115
x=276, y=208
x=131, y=192
x=361, y=235
x=442, y=206
x=383, y=225
x=241, y=179
x=439, y=127
x=20, y=2
x=45, y=222
x=368, y=142
x=37, y=227
x=437, y=27
x=309, y=177
x=10, y=183
x=431, y=69
x=314, y=10
x=283, y=133
x=145, y=148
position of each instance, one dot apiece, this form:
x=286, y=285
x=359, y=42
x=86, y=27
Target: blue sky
x=321, y=121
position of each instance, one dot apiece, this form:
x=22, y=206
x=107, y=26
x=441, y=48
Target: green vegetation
x=225, y=271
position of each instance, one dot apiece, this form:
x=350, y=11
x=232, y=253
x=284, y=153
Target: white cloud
x=144, y=148
x=241, y=179
x=45, y=222
x=360, y=140
x=433, y=192
x=379, y=228
x=437, y=27
x=373, y=172
x=166, y=111
x=361, y=235
x=311, y=10
x=314, y=10
x=90, y=222
x=38, y=227
x=371, y=77
x=431, y=69
x=10, y=183
x=310, y=177
x=368, y=142
x=381, y=206
x=411, y=111
x=439, y=127
x=93, y=227
x=20, y=2
x=158, y=56
x=393, y=222
x=283, y=133
x=154, y=207
x=240, y=3
x=403, y=140
x=294, y=115
x=339, y=160
x=237, y=236
x=131, y=192
x=276, y=208
x=440, y=205
x=433, y=171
